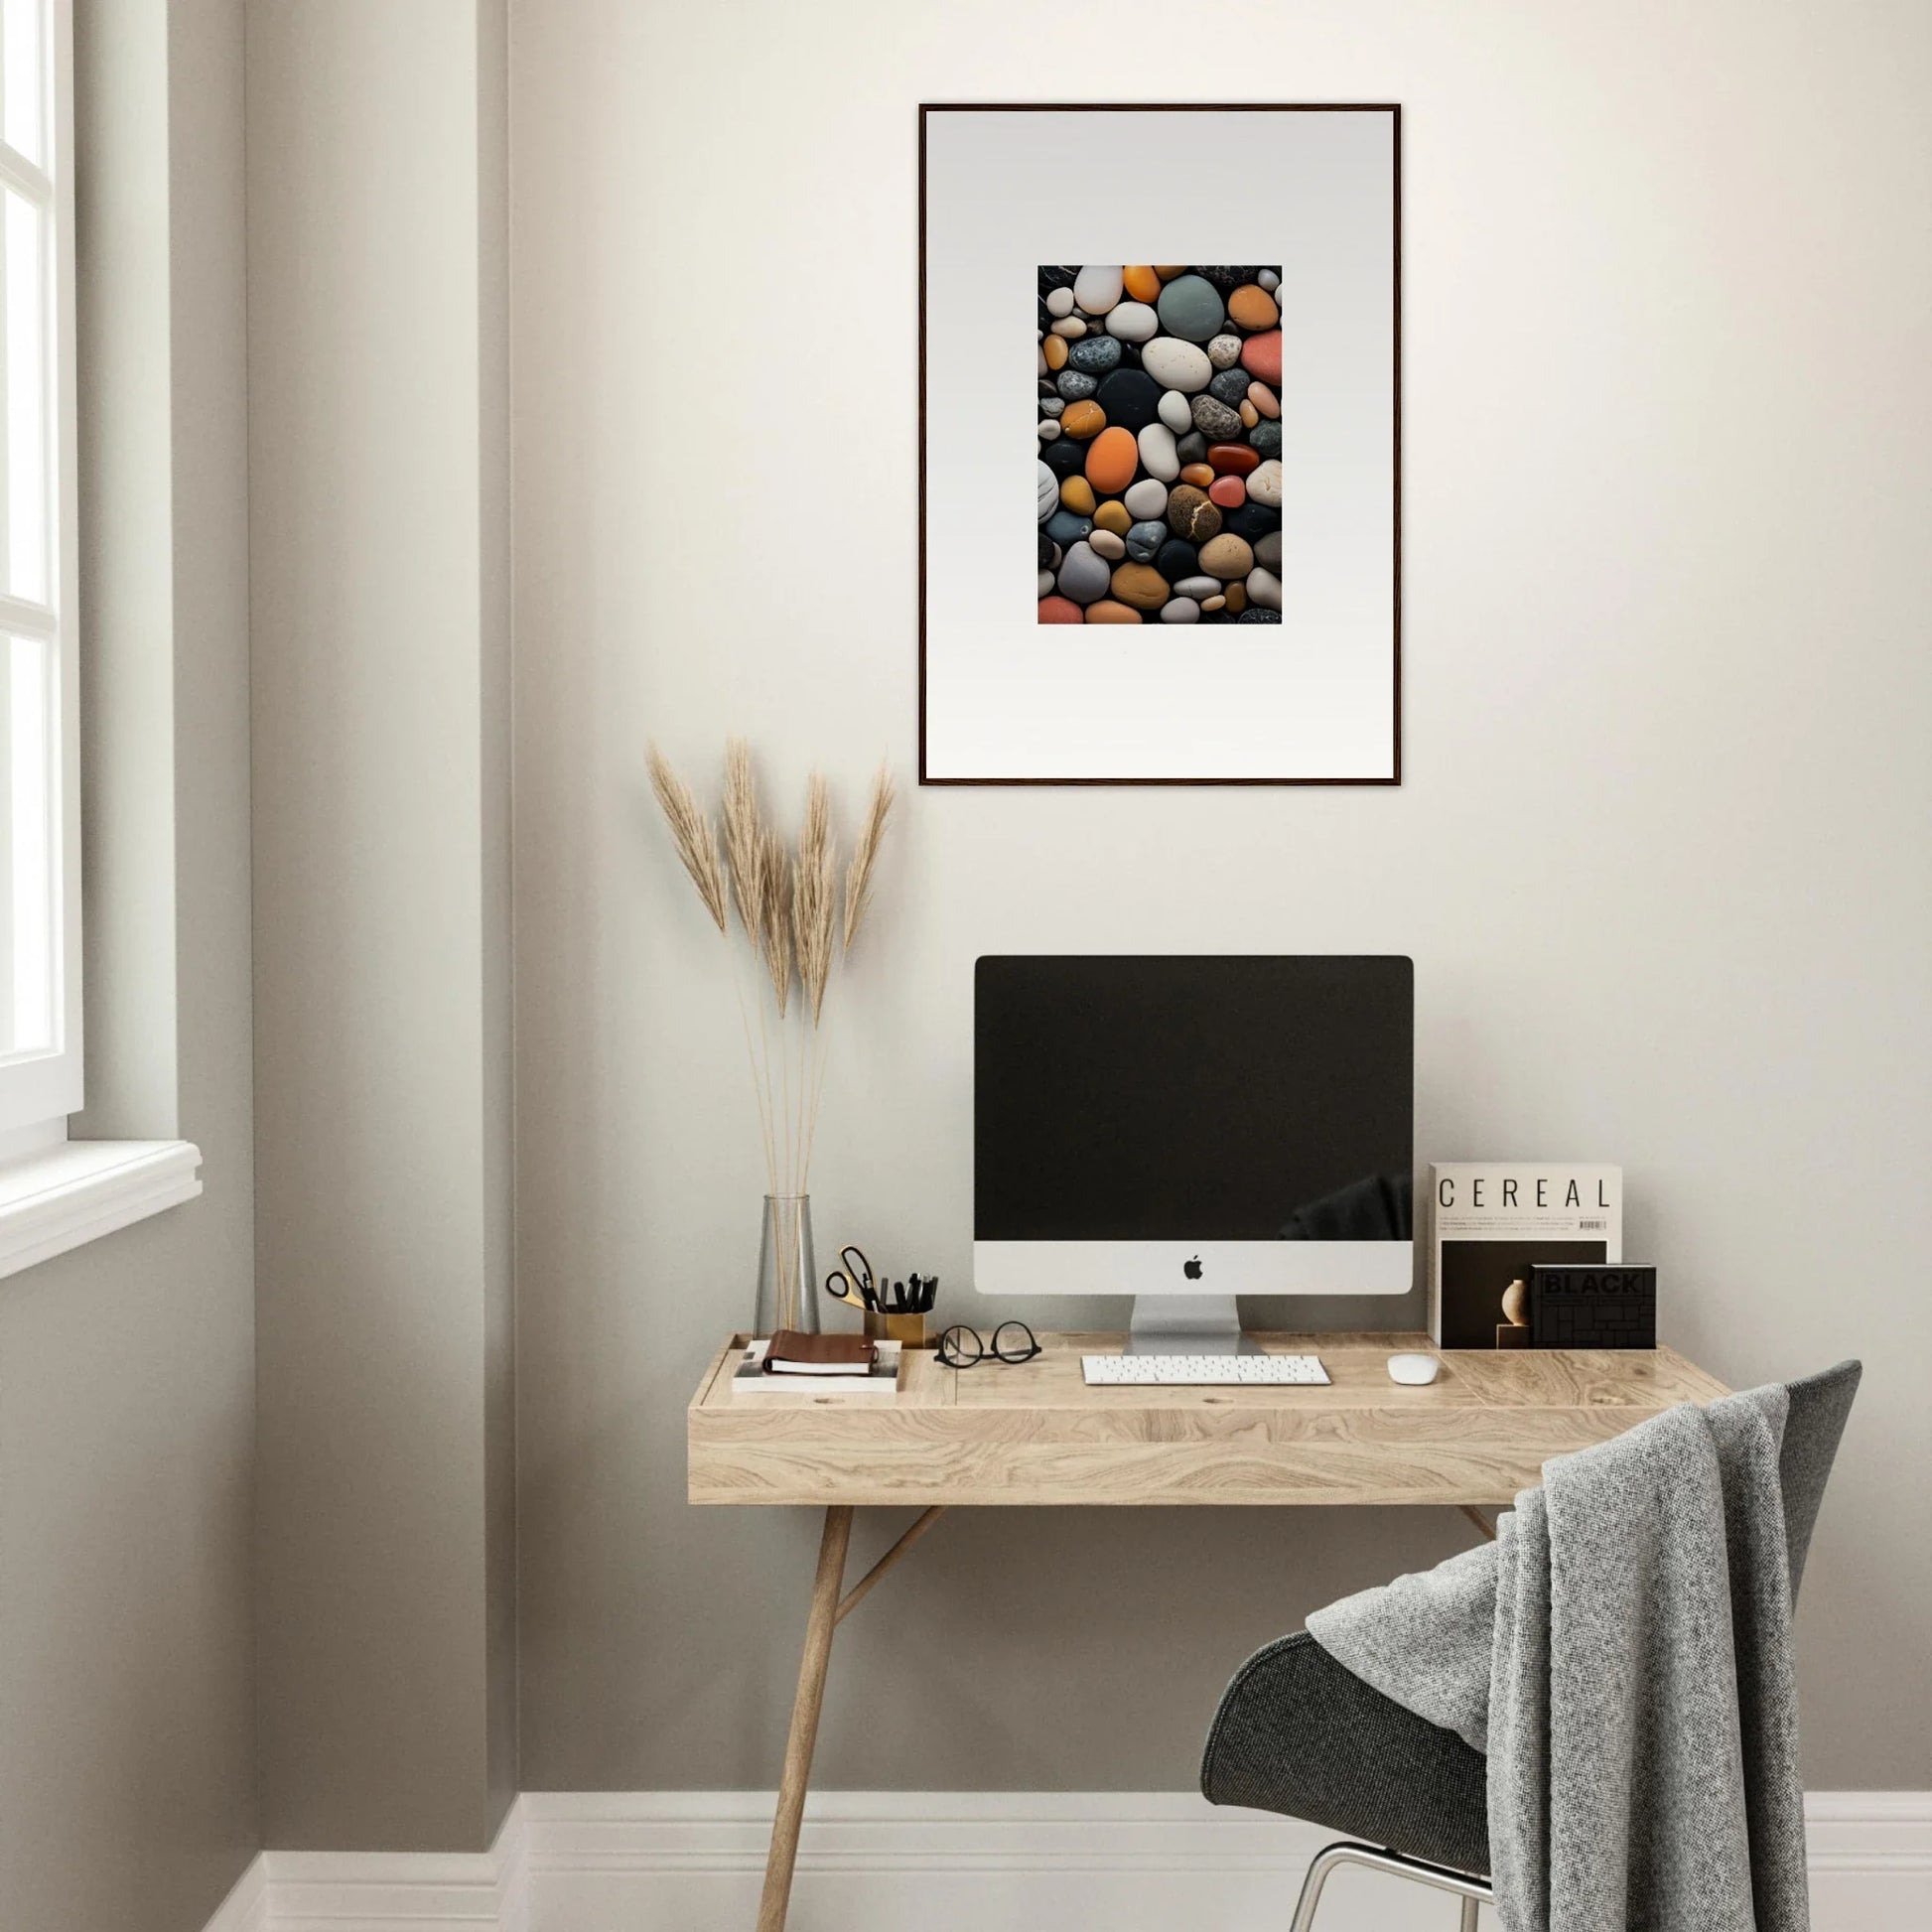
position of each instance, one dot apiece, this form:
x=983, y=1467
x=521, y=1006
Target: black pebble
x=1131, y=398
x=1266, y=437
x=1130, y=355
x=1045, y=550
x=1253, y=614
x=1045, y=317
x=1176, y=559
x=1222, y=615
x=1227, y=280
x=1231, y=387
x=1055, y=278
x=1065, y=455
x=1251, y=521
x=1193, y=448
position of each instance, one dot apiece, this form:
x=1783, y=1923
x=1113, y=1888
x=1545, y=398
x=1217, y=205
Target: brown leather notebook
x=793, y=1353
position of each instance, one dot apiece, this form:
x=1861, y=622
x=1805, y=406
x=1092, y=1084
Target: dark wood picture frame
x=1391, y=108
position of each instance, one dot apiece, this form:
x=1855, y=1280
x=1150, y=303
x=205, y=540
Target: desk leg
x=823, y=1616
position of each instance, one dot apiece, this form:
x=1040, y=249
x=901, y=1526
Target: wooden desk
x=1033, y=1433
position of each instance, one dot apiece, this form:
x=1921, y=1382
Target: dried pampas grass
x=788, y=910
x=691, y=833
x=864, y=853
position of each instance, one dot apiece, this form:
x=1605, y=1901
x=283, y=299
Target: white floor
x=945, y=1861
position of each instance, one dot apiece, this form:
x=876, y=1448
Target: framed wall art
x=1211, y=436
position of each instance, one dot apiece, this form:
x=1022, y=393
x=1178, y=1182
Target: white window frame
x=57, y=1193
x=39, y=1089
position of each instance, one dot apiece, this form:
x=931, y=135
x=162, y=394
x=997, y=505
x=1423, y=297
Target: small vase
x=787, y=1272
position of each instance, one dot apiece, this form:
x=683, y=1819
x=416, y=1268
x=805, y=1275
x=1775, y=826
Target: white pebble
x=1096, y=290
x=1174, y=412
x=1264, y=589
x=1265, y=484
x=1175, y=365
x=1268, y=280
x=1046, y=583
x=1182, y=609
x=1104, y=543
x=1146, y=499
x=1047, y=488
x=1059, y=302
x=1200, y=588
x=1158, y=452
x=1049, y=429
x=1224, y=351
x=1071, y=327
x=1133, y=322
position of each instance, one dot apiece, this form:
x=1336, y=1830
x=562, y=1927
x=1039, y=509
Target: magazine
x=1490, y=1220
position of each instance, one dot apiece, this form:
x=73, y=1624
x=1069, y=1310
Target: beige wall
x=378, y=551
x=127, y=1761
x=1660, y=856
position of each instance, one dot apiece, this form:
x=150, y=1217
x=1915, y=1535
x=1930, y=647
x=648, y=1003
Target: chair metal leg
x=1471, y=1890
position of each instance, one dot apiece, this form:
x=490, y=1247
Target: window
x=40, y=886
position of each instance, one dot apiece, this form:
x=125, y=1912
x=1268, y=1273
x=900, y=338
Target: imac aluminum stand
x=1187, y=1325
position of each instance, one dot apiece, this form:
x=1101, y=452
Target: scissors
x=852, y=1280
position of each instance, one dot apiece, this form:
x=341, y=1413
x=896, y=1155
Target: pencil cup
x=908, y=1329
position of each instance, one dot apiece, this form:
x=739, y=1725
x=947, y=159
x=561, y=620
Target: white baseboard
x=955, y=1862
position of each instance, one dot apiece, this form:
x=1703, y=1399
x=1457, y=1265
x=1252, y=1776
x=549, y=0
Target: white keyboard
x=1200, y=1371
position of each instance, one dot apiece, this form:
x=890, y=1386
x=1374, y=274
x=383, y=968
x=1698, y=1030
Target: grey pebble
x=1266, y=437
x=1268, y=551
x=1193, y=448
x=1215, y=420
x=1064, y=527
x=1051, y=405
x=1084, y=577
x=1266, y=279
x=1075, y=385
x=1198, y=587
x=1046, y=583
x=1049, y=429
x=1143, y=540
x=1231, y=387
x=1096, y=355
x=1180, y=609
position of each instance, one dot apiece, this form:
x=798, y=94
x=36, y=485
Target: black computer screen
x=1192, y=1099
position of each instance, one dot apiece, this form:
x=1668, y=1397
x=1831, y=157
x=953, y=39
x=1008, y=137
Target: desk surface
x=1034, y=1434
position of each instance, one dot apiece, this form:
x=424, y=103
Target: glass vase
x=787, y=1271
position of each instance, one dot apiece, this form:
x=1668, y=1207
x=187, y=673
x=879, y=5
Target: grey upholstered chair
x=1298, y=1733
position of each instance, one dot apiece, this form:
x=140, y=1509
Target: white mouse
x=1414, y=1369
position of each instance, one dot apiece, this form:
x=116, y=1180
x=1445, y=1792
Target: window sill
x=82, y=1189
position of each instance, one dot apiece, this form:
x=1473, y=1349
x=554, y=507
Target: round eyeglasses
x=1012, y=1341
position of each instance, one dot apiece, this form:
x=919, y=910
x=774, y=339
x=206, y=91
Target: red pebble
x=1230, y=492
x=1260, y=355
x=1233, y=459
x=1061, y=610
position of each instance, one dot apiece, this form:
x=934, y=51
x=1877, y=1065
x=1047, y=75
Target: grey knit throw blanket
x=1622, y=1652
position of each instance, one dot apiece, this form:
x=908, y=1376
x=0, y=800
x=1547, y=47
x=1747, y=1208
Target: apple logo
x=1192, y=1269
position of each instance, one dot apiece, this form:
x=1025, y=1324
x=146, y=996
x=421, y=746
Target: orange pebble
x=1114, y=517
x=1264, y=399
x=1237, y=598
x=1253, y=307
x=1249, y=415
x=1076, y=495
x=1054, y=349
x=1140, y=585
x=1143, y=284
x=1083, y=419
x=1197, y=474
x=1108, y=611
x=1059, y=609
x=1230, y=492
x=1113, y=457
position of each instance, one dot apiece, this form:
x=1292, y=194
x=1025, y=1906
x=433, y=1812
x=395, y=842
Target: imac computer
x=1186, y=1130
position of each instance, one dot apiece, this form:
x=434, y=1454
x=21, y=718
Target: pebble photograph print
x=1159, y=427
